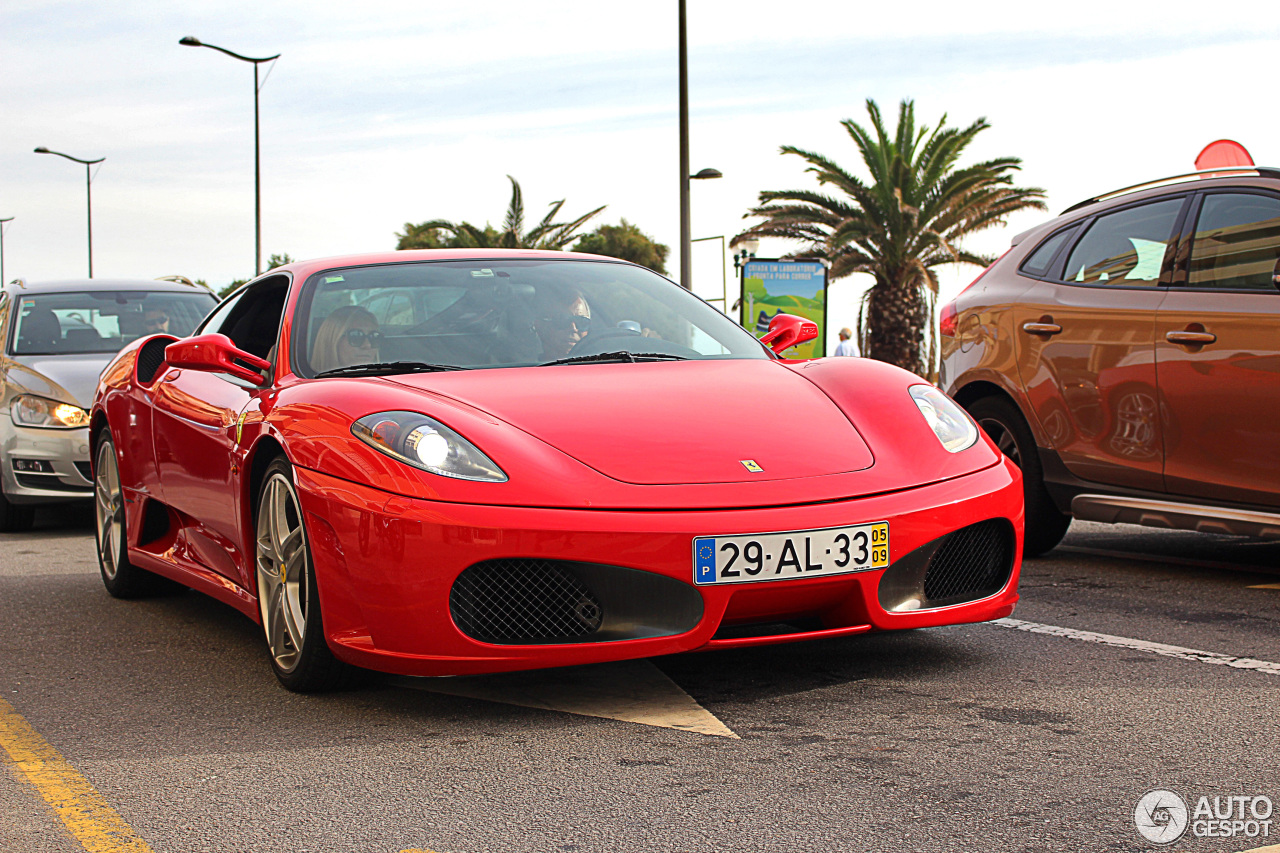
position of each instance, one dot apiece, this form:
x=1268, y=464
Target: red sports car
x=454, y=462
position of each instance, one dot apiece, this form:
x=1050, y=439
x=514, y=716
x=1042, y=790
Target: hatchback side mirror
x=215, y=353
x=788, y=330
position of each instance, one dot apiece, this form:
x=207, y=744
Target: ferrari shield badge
x=751, y=465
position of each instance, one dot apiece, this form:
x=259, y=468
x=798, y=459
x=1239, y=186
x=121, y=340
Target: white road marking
x=631, y=691
x=1143, y=646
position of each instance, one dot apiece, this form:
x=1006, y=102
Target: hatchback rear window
x=1042, y=258
x=1126, y=247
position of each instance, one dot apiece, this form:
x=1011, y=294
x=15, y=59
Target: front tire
x=1045, y=524
x=288, y=600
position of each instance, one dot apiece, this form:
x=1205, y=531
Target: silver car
x=57, y=337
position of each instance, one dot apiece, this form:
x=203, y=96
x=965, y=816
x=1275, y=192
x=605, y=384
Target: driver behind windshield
x=562, y=318
x=348, y=336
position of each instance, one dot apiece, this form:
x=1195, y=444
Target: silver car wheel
x=283, y=568
x=110, y=509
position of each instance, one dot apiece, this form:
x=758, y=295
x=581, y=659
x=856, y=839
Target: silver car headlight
x=40, y=412
x=425, y=443
x=947, y=420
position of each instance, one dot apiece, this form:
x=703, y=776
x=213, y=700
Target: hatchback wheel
x=288, y=600
x=1045, y=524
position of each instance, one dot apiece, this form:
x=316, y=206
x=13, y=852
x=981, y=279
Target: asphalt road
x=980, y=737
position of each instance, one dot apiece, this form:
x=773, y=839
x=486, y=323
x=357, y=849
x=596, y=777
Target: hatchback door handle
x=1196, y=339
x=1041, y=328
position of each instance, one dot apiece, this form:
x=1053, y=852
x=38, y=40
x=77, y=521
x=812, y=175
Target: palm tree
x=909, y=219
x=547, y=234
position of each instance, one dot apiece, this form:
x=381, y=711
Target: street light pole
x=2, y=222
x=88, y=188
x=192, y=41
x=686, y=230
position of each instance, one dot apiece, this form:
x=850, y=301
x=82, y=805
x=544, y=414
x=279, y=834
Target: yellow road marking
x=1267, y=586
x=87, y=816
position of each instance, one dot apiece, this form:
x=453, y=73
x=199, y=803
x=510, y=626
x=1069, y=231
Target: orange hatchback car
x=1126, y=356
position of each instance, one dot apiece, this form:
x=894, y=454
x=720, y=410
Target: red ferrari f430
x=457, y=462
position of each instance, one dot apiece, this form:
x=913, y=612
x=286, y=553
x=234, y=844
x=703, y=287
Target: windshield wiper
x=388, y=368
x=619, y=356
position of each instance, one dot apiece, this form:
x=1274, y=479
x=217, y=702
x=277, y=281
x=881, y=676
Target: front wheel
x=288, y=600
x=1045, y=524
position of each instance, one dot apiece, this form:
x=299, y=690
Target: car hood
x=66, y=378
x=670, y=423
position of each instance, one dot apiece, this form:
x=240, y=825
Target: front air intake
x=968, y=564
x=972, y=563
x=532, y=601
x=524, y=601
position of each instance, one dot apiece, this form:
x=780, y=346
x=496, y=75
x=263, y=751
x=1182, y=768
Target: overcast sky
x=378, y=114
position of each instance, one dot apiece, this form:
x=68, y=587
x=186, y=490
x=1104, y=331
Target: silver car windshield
x=505, y=313
x=102, y=321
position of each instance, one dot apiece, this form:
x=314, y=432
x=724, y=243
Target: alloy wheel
x=283, y=571
x=109, y=514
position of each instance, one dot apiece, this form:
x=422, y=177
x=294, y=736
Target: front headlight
x=947, y=420
x=425, y=443
x=39, y=412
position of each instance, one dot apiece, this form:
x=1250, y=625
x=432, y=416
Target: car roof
x=1219, y=176
x=79, y=285
x=402, y=256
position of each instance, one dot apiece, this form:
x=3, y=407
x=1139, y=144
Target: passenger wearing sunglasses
x=563, y=318
x=348, y=336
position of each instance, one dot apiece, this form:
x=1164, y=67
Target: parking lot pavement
x=946, y=739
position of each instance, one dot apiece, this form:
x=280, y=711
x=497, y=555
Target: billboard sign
x=772, y=287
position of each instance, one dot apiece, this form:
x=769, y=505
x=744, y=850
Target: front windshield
x=504, y=313
x=102, y=321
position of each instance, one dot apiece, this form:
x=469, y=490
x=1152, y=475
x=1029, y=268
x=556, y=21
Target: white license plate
x=787, y=556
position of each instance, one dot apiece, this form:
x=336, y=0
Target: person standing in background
x=846, y=347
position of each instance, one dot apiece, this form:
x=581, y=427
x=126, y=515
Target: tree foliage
x=628, y=242
x=547, y=234
x=909, y=218
x=272, y=262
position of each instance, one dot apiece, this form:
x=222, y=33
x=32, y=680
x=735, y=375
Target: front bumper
x=63, y=456
x=386, y=565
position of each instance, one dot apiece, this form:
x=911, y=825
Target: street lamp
x=192, y=41
x=748, y=252
x=88, y=188
x=686, y=228
x=2, y=222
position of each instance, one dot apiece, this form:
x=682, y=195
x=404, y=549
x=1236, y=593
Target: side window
x=1237, y=242
x=251, y=318
x=1039, y=261
x=1126, y=247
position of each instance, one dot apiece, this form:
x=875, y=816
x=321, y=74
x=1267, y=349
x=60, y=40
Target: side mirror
x=214, y=353
x=788, y=330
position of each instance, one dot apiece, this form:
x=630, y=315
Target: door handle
x=1041, y=328
x=1195, y=339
